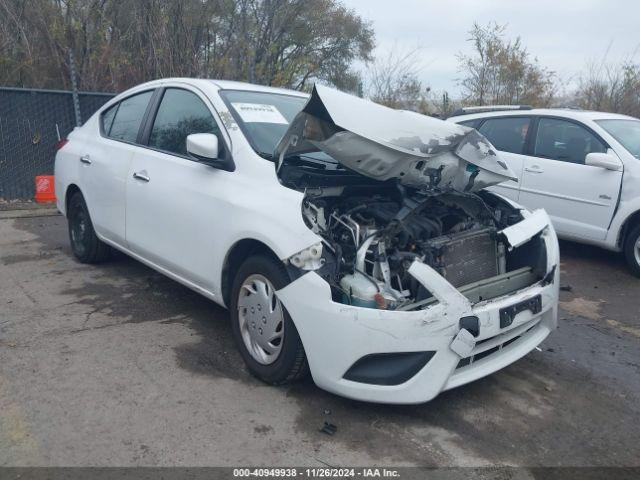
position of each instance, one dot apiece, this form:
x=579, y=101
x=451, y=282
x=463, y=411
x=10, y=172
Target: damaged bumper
x=391, y=356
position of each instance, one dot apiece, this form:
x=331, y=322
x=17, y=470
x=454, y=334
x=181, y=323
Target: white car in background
x=582, y=167
x=347, y=239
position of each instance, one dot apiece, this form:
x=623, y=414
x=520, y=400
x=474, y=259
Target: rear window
x=122, y=121
x=507, y=134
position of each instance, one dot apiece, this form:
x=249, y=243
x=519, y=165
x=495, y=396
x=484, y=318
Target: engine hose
x=356, y=209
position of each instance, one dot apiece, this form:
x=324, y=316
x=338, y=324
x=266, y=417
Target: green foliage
x=120, y=43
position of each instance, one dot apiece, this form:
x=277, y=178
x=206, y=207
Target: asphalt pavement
x=116, y=365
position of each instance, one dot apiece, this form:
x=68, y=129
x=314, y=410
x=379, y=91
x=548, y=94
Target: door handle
x=534, y=169
x=141, y=176
x=86, y=159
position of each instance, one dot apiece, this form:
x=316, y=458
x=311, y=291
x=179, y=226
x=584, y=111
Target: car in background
x=582, y=167
x=347, y=239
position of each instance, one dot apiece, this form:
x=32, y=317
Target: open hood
x=383, y=143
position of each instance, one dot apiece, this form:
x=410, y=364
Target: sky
x=565, y=35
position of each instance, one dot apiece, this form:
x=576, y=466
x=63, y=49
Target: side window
x=471, y=123
x=107, y=118
x=507, y=134
x=181, y=113
x=565, y=141
x=128, y=117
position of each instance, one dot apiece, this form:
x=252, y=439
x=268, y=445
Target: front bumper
x=336, y=335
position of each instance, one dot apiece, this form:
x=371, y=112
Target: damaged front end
x=385, y=189
x=371, y=239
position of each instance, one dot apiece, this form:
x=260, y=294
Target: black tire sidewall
x=629, y=246
x=279, y=371
x=90, y=242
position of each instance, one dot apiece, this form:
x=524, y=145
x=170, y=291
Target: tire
x=86, y=246
x=289, y=363
x=632, y=250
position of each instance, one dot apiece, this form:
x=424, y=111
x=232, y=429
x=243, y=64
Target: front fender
x=626, y=210
x=279, y=225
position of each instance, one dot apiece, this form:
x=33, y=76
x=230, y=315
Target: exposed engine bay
x=372, y=235
x=386, y=188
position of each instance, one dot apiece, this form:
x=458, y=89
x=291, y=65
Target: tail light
x=61, y=143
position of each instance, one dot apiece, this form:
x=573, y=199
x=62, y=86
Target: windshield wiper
x=265, y=155
x=307, y=161
x=304, y=160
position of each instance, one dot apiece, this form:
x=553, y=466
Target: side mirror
x=203, y=148
x=603, y=160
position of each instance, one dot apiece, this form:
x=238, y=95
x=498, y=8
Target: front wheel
x=263, y=330
x=632, y=250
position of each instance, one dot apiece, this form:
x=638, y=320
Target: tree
x=611, y=87
x=290, y=42
x=393, y=80
x=117, y=44
x=442, y=105
x=501, y=71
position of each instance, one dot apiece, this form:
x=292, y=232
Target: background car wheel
x=632, y=250
x=263, y=330
x=86, y=246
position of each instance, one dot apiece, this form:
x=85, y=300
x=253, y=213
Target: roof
x=233, y=85
x=488, y=108
x=556, y=112
x=221, y=84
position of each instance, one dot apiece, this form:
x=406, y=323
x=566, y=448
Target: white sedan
x=347, y=239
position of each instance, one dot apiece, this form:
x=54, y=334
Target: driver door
x=175, y=204
x=579, y=198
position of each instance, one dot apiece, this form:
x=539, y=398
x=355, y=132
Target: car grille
x=496, y=343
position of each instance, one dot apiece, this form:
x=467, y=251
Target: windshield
x=263, y=117
x=627, y=132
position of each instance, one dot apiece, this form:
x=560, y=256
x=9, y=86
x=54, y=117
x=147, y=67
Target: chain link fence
x=31, y=122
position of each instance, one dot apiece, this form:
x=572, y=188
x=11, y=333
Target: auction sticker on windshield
x=259, y=113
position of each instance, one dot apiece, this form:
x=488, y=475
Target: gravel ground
x=116, y=365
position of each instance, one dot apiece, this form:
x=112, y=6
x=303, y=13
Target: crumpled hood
x=383, y=143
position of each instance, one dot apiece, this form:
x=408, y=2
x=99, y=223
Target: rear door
x=509, y=135
x=579, y=198
x=105, y=164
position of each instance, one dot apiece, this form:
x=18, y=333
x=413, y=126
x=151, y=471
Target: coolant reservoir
x=362, y=290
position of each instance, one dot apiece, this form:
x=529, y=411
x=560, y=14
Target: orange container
x=45, y=192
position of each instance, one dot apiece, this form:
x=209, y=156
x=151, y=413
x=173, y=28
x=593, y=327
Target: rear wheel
x=632, y=250
x=86, y=246
x=263, y=330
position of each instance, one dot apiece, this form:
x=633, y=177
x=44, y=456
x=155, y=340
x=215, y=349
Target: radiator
x=466, y=257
